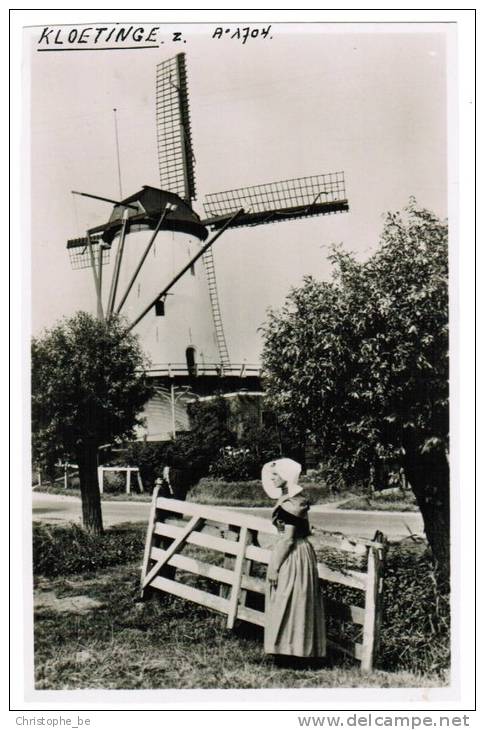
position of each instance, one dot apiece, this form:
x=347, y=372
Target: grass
x=389, y=500
x=251, y=494
x=73, y=491
x=212, y=491
x=165, y=643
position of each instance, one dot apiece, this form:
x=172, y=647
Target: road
x=60, y=509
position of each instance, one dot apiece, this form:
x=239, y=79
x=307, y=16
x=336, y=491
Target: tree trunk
x=429, y=477
x=90, y=496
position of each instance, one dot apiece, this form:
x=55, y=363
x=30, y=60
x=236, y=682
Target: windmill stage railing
x=174, y=370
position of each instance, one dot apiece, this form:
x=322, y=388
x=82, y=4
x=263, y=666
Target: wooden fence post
x=248, y=564
x=238, y=570
x=232, y=533
x=373, y=602
x=152, y=520
x=381, y=565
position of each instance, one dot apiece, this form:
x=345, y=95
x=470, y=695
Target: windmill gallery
x=152, y=262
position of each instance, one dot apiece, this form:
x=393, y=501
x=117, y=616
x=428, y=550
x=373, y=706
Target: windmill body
x=181, y=322
x=152, y=263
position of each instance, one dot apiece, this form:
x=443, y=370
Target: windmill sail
x=175, y=157
x=278, y=201
x=80, y=256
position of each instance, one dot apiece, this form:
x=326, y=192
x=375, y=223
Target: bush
x=149, y=457
x=416, y=614
x=235, y=465
x=191, y=454
x=415, y=632
x=63, y=550
x=115, y=482
x=257, y=445
x=335, y=475
x=244, y=493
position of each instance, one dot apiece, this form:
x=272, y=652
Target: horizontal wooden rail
x=201, y=539
x=334, y=540
x=352, y=650
x=345, y=612
x=209, y=600
x=250, y=615
x=349, y=578
x=337, y=541
x=217, y=514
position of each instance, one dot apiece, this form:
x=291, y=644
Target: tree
x=88, y=388
x=361, y=362
x=193, y=452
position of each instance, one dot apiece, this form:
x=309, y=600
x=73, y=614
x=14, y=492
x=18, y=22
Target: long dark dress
x=294, y=613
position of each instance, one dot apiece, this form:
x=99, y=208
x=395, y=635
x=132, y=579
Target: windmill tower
x=152, y=261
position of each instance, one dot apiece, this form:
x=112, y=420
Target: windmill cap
x=150, y=203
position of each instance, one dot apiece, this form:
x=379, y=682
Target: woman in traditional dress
x=294, y=614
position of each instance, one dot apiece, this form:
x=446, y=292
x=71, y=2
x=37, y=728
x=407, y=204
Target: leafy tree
x=361, y=362
x=149, y=456
x=256, y=445
x=196, y=450
x=88, y=388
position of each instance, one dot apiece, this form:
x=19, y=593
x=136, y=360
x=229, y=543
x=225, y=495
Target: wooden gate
x=234, y=535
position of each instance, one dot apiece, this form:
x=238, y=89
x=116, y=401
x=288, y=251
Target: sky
x=366, y=99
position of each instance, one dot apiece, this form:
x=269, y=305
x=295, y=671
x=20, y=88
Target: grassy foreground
x=89, y=633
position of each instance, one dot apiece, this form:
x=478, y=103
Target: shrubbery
x=214, y=491
x=64, y=550
x=415, y=632
x=149, y=457
x=329, y=472
x=246, y=493
x=256, y=445
x=115, y=482
x=235, y=465
x=210, y=447
x=416, y=616
x=191, y=454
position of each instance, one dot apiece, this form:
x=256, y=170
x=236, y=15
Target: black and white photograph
x=241, y=241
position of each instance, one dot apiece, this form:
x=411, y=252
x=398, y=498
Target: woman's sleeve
x=287, y=518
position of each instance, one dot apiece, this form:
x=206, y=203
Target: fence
x=129, y=470
x=173, y=524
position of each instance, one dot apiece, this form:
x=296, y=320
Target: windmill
x=152, y=261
